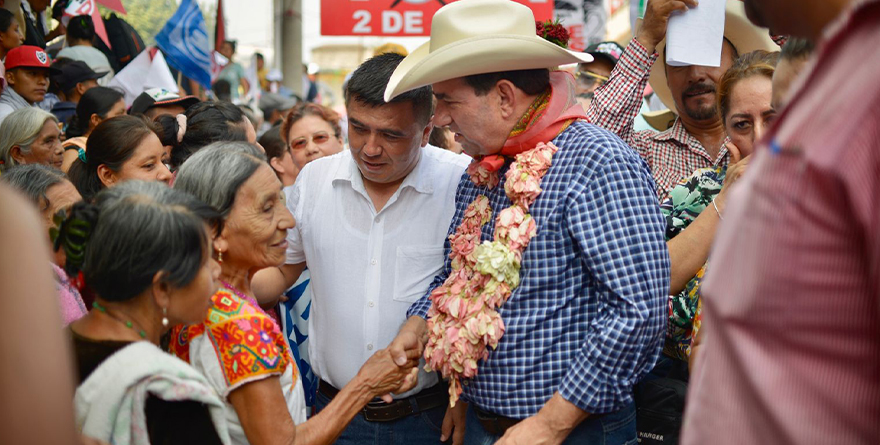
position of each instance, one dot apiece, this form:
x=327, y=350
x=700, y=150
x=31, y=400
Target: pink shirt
x=791, y=351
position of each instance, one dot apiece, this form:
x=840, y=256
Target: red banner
x=395, y=17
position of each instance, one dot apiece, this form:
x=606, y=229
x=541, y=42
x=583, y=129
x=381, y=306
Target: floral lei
x=462, y=320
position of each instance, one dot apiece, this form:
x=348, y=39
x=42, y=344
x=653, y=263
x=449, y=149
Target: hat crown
x=472, y=18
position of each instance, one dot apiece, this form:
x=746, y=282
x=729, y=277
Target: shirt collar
x=678, y=133
x=419, y=179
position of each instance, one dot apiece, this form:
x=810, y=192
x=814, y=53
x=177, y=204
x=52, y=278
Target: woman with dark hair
x=238, y=347
x=278, y=154
x=201, y=125
x=311, y=131
x=119, y=149
x=147, y=257
x=95, y=106
x=50, y=192
x=80, y=38
x=10, y=37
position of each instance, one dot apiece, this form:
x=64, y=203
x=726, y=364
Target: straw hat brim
x=477, y=55
x=744, y=36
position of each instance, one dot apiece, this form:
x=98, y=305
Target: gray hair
x=200, y=175
x=21, y=128
x=34, y=180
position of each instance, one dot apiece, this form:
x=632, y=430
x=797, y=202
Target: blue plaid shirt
x=589, y=315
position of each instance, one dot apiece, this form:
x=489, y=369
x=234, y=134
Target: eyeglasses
x=588, y=79
x=318, y=138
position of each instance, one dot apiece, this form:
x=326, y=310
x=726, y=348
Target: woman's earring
x=219, y=256
x=164, y=317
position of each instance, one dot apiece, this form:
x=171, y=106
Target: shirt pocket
x=415, y=268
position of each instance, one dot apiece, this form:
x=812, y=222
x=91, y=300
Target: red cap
x=29, y=56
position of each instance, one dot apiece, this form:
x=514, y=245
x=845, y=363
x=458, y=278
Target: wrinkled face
x=61, y=196
x=46, y=148
x=29, y=83
x=190, y=304
x=312, y=138
x=785, y=74
x=385, y=141
x=146, y=163
x=694, y=87
x=256, y=229
x=12, y=37
x=475, y=120
x=750, y=114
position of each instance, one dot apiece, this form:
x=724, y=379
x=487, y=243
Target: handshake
x=395, y=368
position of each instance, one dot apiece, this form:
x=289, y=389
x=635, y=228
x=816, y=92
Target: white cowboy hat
x=744, y=36
x=475, y=37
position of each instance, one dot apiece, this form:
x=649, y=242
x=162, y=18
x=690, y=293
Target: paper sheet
x=695, y=36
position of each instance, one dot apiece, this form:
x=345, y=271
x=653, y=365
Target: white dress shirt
x=367, y=267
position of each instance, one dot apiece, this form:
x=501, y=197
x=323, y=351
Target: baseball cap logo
x=42, y=57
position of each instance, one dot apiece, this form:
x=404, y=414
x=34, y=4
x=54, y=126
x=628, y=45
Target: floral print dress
x=681, y=207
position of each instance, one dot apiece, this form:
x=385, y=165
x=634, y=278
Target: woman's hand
x=735, y=170
x=382, y=376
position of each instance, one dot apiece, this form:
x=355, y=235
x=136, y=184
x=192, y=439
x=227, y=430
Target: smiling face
x=312, y=138
x=29, y=83
x=255, y=232
x=385, y=141
x=146, y=163
x=694, y=87
x=46, y=148
x=751, y=113
x=476, y=121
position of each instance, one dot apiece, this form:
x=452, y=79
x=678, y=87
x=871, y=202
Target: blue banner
x=184, y=40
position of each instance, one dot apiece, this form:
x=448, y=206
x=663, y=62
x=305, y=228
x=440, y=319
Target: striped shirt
x=588, y=317
x=792, y=301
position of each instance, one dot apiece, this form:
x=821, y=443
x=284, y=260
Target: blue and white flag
x=184, y=40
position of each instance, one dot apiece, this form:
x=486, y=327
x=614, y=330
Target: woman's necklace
x=129, y=324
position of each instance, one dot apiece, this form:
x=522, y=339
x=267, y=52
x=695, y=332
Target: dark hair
x=97, y=100
x=797, y=48
x=367, y=86
x=222, y=90
x=259, y=56
x=6, y=19
x=33, y=180
x=206, y=122
x=755, y=63
x=439, y=138
x=232, y=43
x=304, y=109
x=531, y=82
x=273, y=143
x=134, y=231
x=112, y=143
x=81, y=28
x=54, y=80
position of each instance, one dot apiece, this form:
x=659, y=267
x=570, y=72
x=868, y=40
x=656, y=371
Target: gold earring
x=219, y=256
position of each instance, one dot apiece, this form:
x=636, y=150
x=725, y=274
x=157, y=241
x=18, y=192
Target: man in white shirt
x=371, y=223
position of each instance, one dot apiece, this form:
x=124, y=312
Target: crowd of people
x=483, y=249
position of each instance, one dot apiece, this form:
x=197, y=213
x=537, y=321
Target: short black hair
x=232, y=43
x=272, y=143
x=531, y=82
x=206, y=122
x=81, y=27
x=259, y=56
x=368, y=82
x=6, y=20
x=797, y=48
x=222, y=90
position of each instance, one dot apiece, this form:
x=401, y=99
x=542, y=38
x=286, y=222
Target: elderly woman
x=148, y=258
x=119, y=149
x=51, y=192
x=238, y=347
x=311, y=131
x=30, y=136
x=694, y=207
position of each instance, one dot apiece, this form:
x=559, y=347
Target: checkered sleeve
x=420, y=307
x=617, y=103
x=618, y=227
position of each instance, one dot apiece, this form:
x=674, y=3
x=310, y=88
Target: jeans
x=617, y=428
x=417, y=429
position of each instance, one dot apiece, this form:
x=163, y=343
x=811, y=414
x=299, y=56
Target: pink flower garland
x=462, y=320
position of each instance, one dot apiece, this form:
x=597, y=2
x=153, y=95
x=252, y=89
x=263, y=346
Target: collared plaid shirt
x=589, y=316
x=673, y=154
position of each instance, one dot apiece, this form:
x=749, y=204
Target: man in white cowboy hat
x=586, y=320
x=791, y=353
x=696, y=138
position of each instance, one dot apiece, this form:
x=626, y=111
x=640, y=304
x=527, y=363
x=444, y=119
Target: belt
x=379, y=411
x=493, y=423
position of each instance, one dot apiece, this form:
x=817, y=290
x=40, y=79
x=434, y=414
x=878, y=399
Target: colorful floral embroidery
x=247, y=342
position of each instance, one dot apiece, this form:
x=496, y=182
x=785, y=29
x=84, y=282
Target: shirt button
x=465, y=383
x=378, y=220
x=373, y=261
x=370, y=347
x=371, y=304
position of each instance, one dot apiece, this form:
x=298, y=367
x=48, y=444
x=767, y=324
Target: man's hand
x=411, y=339
x=453, y=423
x=532, y=431
x=657, y=14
